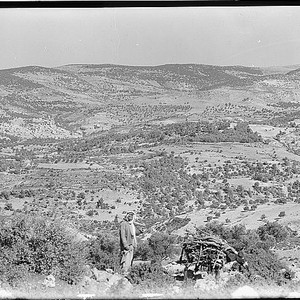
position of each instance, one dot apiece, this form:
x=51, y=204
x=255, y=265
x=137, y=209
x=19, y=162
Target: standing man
x=127, y=241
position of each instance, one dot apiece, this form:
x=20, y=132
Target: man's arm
x=123, y=236
x=139, y=224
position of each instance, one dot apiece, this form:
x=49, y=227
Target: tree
x=281, y=214
x=81, y=195
x=161, y=245
x=263, y=217
x=8, y=206
x=278, y=231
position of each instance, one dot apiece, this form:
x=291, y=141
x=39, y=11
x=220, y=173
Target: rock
x=174, y=268
x=90, y=285
x=176, y=289
x=140, y=262
x=115, y=278
x=101, y=276
x=88, y=271
x=296, y=276
x=5, y=294
x=86, y=281
x=245, y=292
x=122, y=284
x=110, y=282
x=49, y=281
x=228, y=266
x=206, y=284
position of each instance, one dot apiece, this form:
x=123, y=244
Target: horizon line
x=149, y=66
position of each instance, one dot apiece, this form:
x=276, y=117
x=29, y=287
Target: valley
x=201, y=143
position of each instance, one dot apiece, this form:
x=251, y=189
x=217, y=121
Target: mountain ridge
x=76, y=95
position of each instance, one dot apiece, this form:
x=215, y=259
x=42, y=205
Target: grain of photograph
x=150, y=152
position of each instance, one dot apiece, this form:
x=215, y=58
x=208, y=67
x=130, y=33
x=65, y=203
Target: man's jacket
x=126, y=237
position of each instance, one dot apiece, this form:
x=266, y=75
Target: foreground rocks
x=49, y=281
x=104, y=282
x=245, y=292
x=174, y=268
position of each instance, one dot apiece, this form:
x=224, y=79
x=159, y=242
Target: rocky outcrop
x=104, y=282
x=245, y=292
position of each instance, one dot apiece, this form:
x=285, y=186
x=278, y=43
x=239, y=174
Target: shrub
x=157, y=247
x=152, y=275
x=209, y=218
x=39, y=245
x=143, y=251
x=281, y=214
x=8, y=206
x=104, y=252
x=161, y=246
x=263, y=217
x=264, y=263
x=275, y=229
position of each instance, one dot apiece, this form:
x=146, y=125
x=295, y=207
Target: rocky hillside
x=39, y=102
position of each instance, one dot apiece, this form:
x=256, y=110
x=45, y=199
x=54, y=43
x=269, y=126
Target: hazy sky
x=259, y=36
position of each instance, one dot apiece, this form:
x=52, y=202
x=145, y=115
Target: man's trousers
x=126, y=260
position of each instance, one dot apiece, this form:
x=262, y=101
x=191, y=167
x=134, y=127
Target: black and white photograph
x=150, y=152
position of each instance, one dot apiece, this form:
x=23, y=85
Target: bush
x=152, y=275
x=265, y=264
x=158, y=247
x=104, y=252
x=281, y=214
x=161, y=246
x=143, y=251
x=278, y=231
x=38, y=245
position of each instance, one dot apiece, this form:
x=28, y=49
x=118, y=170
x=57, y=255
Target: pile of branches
x=208, y=254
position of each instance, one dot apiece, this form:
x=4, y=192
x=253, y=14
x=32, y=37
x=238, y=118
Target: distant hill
x=73, y=94
x=279, y=69
x=173, y=76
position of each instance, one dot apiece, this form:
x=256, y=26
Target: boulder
x=108, y=281
x=122, y=284
x=228, y=266
x=296, y=276
x=245, y=292
x=87, y=270
x=174, y=268
x=176, y=290
x=90, y=285
x=140, y=262
x=114, y=279
x=49, y=281
x=101, y=276
x=208, y=283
